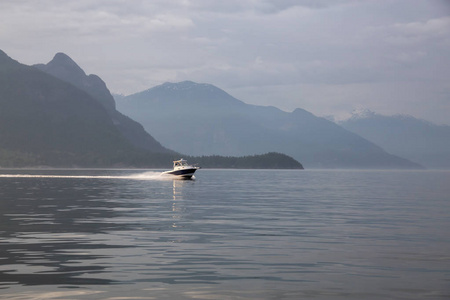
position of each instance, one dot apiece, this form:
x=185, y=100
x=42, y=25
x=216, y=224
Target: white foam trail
x=138, y=176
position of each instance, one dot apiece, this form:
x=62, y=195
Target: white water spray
x=138, y=176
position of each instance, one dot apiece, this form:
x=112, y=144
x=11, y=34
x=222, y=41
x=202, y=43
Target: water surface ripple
x=228, y=234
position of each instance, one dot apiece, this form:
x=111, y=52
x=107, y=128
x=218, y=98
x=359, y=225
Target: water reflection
x=178, y=199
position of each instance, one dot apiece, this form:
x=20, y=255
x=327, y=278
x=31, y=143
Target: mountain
x=201, y=119
x=72, y=122
x=44, y=120
x=417, y=140
x=64, y=68
x=47, y=121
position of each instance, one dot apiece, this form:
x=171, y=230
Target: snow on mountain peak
x=362, y=113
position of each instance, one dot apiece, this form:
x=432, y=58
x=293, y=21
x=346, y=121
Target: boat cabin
x=180, y=163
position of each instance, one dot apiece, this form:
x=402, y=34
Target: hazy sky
x=328, y=57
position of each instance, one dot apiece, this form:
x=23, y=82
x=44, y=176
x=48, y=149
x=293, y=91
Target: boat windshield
x=179, y=163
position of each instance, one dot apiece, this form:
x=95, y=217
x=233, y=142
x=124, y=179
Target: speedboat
x=181, y=169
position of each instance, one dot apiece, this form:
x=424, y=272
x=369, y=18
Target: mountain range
x=417, y=140
x=55, y=115
x=48, y=121
x=201, y=119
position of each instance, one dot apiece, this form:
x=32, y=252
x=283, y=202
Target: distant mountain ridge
x=64, y=68
x=46, y=121
x=56, y=115
x=417, y=140
x=201, y=119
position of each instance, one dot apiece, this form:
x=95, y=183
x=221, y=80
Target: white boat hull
x=181, y=169
x=185, y=173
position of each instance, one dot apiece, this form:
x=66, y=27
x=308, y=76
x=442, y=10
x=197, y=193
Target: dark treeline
x=270, y=160
x=142, y=159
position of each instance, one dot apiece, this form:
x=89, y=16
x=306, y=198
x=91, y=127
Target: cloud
x=428, y=29
x=314, y=54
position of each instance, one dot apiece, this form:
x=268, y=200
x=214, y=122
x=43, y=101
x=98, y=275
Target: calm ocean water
x=228, y=234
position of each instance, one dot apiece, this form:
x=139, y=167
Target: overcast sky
x=328, y=57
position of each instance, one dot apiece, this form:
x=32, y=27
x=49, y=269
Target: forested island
x=270, y=160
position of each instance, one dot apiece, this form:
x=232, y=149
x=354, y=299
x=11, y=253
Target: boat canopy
x=179, y=163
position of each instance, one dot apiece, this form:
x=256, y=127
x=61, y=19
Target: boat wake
x=138, y=176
